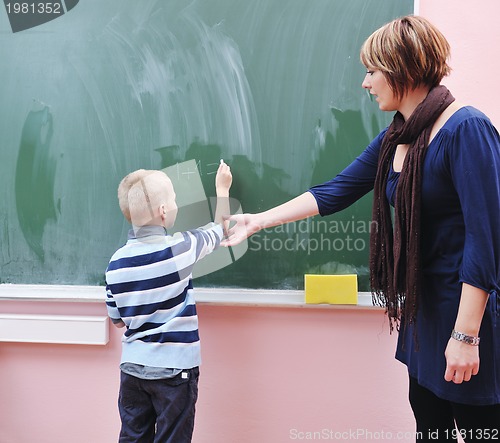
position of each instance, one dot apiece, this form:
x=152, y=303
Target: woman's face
x=376, y=83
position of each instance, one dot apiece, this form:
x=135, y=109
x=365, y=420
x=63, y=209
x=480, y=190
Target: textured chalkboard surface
x=271, y=86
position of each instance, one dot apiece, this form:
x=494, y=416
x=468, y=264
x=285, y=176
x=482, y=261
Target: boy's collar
x=146, y=231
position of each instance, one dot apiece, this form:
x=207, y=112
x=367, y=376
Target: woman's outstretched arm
x=244, y=225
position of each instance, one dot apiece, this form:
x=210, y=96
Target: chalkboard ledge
x=268, y=297
x=204, y=296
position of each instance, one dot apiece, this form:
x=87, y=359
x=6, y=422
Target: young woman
x=436, y=266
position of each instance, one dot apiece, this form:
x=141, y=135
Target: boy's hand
x=119, y=324
x=223, y=180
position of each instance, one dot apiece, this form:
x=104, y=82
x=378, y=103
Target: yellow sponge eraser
x=332, y=289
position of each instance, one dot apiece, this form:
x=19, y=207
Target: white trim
x=63, y=329
x=416, y=7
x=66, y=293
x=213, y=296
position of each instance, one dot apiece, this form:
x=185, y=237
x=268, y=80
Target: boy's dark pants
x=167, y=405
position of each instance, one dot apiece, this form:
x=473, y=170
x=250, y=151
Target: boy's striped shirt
x=149, y=288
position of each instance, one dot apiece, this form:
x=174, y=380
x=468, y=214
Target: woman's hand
x=242, y=226
x=462, y=361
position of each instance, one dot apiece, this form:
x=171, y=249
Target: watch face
x=471, y=340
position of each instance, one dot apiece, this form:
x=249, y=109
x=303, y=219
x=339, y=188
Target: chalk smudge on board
x=190, y=76
x=34, y=180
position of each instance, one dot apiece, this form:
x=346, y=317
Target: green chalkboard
x=107, y=87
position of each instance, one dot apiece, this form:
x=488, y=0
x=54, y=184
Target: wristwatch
x=469, y=339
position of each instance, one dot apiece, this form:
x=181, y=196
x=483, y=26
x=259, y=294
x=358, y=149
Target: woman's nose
x=365, y=84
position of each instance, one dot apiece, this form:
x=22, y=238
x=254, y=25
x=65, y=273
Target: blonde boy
x=150, y=293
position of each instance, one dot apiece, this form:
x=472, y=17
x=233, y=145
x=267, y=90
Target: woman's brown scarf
x=395, y=255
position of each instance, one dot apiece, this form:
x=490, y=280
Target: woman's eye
x=369, y=72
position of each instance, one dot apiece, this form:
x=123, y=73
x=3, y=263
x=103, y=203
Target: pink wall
x=472, y=30
x=268, y=373
x=277, y=372
x=58, y=393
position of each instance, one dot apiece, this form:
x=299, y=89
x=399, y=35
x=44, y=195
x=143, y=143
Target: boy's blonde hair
x=410, y=51
x=141, y=193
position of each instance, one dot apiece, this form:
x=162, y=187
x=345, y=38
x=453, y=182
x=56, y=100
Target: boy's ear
x=162, y=211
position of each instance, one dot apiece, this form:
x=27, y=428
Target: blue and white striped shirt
x=149, y=288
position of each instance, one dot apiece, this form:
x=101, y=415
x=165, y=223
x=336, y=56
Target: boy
x=149, y=291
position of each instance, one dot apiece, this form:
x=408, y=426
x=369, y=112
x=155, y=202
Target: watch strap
x=469, y=339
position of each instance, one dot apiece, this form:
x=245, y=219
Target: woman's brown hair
x=410, y=51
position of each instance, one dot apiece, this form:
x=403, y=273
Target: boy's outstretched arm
x=223, y=181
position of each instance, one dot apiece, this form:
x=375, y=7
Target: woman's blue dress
x=460, y=244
